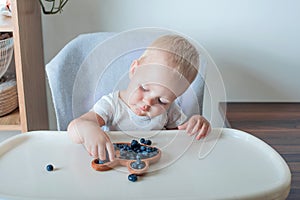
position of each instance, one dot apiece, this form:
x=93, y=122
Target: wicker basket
x=8, y=94
x=6, y=51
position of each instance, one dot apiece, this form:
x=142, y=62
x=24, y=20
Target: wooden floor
x=278, y=124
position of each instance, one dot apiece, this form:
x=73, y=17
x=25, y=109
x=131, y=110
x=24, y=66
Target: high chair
x=226, y=164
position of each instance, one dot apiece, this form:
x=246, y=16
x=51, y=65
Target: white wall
x=255, y=43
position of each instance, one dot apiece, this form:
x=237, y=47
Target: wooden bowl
x=127, y=162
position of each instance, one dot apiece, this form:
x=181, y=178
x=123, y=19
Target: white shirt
x=118, y=116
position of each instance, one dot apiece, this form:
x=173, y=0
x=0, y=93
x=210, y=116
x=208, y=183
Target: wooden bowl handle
x=138, y=171
x=105, y=166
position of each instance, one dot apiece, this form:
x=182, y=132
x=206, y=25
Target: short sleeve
x=104, y=107
x=176, y=116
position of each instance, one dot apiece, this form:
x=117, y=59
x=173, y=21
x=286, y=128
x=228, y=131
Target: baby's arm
x=87, y=130
x=198, y=125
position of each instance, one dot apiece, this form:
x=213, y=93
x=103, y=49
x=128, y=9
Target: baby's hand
x=196, y=125
x=87, y=130
x=97, y=143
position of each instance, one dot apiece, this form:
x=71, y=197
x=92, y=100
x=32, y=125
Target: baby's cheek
x=135, y=97
x=157, y=110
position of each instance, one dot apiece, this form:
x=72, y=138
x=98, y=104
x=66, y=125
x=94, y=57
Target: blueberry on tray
x=49, y=168
x=132, y=177
x=148, y=142
x=142, y=140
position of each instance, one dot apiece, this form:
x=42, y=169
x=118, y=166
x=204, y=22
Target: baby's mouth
x=144, y=108
x=138, y=111
x=141, y=110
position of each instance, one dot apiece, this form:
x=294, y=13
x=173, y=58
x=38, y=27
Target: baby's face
x=150, y=99
x=153, y=87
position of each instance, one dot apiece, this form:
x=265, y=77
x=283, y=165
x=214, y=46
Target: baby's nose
x=149, y=101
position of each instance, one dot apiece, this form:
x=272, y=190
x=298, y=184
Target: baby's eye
x=143, y=88
x=162, y=102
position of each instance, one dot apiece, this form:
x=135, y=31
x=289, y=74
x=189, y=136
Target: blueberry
x=49, y=167
x=104, y=161
x=127, y=148
x=142, y=148
x=141, y=165
x=145, y=153
x=148, y=142
x=101, y=161
x=130, y=150
x=142, y=140
x=149, y=149
x=138, y=151
x=134, y=165
x=132, y=177
x=134, y=143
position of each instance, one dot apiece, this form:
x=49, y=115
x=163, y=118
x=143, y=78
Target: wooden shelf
x=11, y=121
x=25, y=24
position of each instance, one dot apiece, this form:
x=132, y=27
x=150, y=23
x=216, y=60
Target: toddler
x=164, y=72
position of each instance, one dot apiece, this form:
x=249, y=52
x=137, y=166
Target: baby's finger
x=183, y=126
x=94, y=151
x=190, y=126
x=203, y=131
x=110, y=150
x=102, y=152
x=200, y=135
x=197, y=127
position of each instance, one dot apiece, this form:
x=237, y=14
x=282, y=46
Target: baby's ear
x=133, y=67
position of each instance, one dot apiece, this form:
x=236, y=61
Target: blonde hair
x=180, y=54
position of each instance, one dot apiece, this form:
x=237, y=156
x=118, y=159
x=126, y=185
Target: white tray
x=235, y=165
